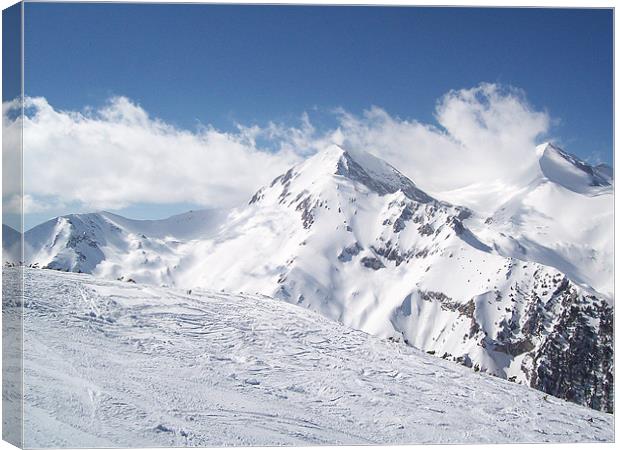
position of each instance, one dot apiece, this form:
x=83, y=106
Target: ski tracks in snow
x=120, y=364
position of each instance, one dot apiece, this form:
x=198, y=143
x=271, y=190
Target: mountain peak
x=351, y=166
x=334, y=151
x=329, y=161
x=569, y=171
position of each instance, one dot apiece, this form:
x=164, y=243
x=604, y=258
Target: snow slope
x=560, y=215
x=110, y=363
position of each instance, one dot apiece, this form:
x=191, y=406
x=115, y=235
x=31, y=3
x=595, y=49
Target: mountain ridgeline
x=525, y=293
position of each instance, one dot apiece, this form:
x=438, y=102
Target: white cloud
x=11, y=149
x=118, y=155
x=485, y=134
x=16, y=204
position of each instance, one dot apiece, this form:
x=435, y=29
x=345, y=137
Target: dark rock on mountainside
x=575, y=361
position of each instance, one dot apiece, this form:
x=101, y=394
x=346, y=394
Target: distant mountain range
x=524, y=293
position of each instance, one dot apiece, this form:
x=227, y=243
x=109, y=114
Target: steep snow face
x=112, y=246
x=563, y=219
x=159, y=367
x=570, y=172
x=546, y=163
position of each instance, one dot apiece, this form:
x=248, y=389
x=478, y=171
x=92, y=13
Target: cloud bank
x=119, y=155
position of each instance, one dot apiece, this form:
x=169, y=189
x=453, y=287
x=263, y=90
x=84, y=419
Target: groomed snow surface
x=111, y=363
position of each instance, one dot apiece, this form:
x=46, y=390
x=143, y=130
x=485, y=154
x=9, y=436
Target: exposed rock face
x=349, y=252
x=372, y=263
x=575, y=360
x=564, y=340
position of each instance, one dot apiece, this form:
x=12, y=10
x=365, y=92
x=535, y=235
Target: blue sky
x=221, y=65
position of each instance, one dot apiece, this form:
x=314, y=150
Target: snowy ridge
x=562, y=218
x=150, y=366
x=112, y=246
x=525, y=293
x=570, y=172
x=183, y=227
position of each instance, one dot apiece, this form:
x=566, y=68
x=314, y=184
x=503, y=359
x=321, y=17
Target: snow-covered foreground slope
x=111, y=363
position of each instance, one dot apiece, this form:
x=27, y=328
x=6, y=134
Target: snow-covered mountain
x=159, y=367
x=561, y=217
x=112, y=246
x=524, y=293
